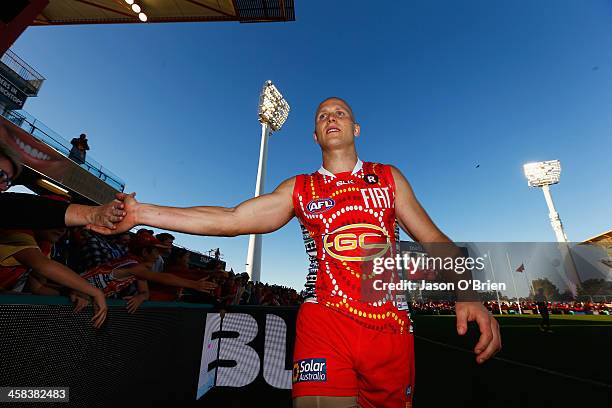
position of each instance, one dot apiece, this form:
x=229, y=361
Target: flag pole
x=518, y=300
x=529, y=287
x=495, y=280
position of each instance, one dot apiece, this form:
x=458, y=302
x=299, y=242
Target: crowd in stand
x=431, y=308
x=135, y=267
x=142, y=266
x=508, y=307
x=531, y=307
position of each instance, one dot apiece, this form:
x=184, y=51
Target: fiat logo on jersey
x=320, y=205
x=356, y=242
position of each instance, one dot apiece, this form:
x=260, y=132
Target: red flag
x=521, y=268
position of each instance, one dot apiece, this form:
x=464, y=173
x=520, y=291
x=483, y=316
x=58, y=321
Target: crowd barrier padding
x=152, y=357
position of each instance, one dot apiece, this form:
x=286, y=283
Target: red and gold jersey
x=348, y=221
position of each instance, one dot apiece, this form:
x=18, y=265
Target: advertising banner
x=46, y=160
x=13, y=97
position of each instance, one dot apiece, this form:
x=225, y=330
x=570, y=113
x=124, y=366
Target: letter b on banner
x=236, y=349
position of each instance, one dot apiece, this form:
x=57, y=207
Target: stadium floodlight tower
x=273, y=112
x=544, y=174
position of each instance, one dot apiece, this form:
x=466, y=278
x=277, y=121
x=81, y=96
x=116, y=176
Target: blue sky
x=437, y=86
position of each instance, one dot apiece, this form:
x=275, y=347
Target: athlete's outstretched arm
x=414, y=220
x=258, y=215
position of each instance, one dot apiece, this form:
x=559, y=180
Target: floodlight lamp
x=273, y=108
x=130, y=2
x=142, y=17
x=136, y=8
x=543, y=173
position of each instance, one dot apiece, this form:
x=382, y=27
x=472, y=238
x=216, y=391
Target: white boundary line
x=505, y=360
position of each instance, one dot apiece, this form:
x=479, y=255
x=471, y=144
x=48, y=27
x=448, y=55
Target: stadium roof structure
x=65, y=12
x=604, y=239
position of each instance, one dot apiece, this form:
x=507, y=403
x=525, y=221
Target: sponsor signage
x=357, y=242
x=320, y=205
x=49, y=162
x=13, y=97
x=311, y=369
x=240, y=358
x=371, y=178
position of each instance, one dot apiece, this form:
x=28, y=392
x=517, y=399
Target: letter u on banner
x=275, y=352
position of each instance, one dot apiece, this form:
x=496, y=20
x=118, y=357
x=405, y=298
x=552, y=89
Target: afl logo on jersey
x=320, y=205
x=356, y=242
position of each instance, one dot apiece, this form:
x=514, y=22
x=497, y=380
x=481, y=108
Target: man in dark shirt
x=79, y=148
x=28, y=211
x=542, y=304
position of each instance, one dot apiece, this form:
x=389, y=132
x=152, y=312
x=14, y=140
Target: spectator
x=230, y=288
x=256, y=295
x=241, y=282
x=178, y=265
x=247, y=295
x=117, y=275
x=19, y=253
x=121, y=242
x=79, y=149
x=166, y=239
x=35, y=283
x=97, y=250
x=145, y=231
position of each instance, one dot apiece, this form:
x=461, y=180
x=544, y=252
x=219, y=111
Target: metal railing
x=25, y=71
x=41, y=132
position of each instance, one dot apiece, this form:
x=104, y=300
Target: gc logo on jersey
x=320, y=205
x=311, y=369
x=356, y=242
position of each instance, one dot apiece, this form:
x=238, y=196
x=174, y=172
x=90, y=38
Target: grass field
x=571, y=367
